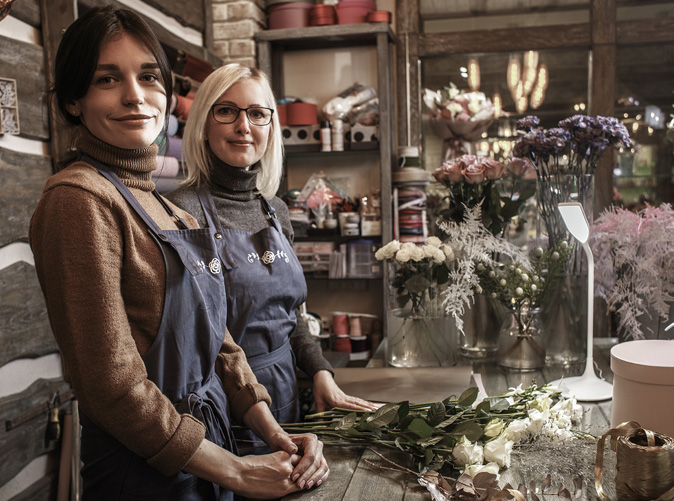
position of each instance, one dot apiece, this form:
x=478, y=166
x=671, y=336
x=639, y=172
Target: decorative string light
x=473, y=74
x=498, y=104
x=527, y=80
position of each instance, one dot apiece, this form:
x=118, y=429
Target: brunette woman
x=133, y=292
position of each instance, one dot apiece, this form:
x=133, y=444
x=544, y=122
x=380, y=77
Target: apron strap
x=265, y=360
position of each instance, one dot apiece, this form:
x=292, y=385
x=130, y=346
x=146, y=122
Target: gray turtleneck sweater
x=239, y=207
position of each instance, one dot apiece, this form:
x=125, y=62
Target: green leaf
x=472, y=431
x=499, y=404
x=430, y=440
x=405, y=422
x=436, y=413
x=417, y=284
x=483, y=406
x=404, y=410
x=451, y=420
x=468, y=397
x=347, y=421
x=420, y=428
x=384, y=415
x=352, y=432
x=402, y=300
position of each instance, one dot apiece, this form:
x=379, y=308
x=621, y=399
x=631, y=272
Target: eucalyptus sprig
x=430, y=432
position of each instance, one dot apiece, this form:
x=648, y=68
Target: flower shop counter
x=366, y=473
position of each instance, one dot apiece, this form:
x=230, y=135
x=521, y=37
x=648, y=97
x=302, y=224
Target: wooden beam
x=505, y=40
x=57, y=15
x=644, y=31
x=407, y=72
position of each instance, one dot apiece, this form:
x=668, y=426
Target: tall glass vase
x=565, y=310
x=481, y=324
x=420, y=333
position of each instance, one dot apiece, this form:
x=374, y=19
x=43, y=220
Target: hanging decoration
x=527, y=80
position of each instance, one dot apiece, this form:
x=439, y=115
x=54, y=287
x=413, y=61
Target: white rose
x=438, y=255
x=403, y=255
x=388, y=250
x=409, y=246
x=498, y=451
x=474, y=106
x=429, y=251
x=466, y=452
x=417, y=254
x=474, y=469
x=518, y=430
x=455, y=108
x=494, y=427
x=538, y=419
x=449, y=252
x=542, y=402
x=433, y=242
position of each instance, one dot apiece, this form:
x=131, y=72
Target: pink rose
x=474, y=173
x=522, y=167
x=462, y=117
x=493, y=169
x=449, y=172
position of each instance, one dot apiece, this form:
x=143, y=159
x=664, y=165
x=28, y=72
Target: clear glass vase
x=481, y=324
x=420, y=333
x=565, y=310
x=521, y=344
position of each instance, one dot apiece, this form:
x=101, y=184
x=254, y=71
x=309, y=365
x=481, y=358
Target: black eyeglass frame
x=239, y=110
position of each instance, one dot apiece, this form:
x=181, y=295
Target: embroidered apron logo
x=268, y=257
x=214, y=266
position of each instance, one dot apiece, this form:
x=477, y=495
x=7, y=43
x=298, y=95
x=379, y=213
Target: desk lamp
x=588, y=387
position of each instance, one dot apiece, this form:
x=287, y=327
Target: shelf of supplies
x=316, y=37
x=338, y=239
x=299, y=150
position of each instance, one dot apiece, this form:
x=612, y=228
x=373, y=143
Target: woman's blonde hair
x=196, y=153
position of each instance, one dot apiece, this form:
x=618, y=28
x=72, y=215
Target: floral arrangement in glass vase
x=475, y=180
x=565, y=158
x=458, y=117
x=633, y=255
x=419, y=330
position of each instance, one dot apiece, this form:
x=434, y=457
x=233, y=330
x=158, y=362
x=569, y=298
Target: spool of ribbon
x=340, y=324
x=343, y=344
x=175, y=147
x=645, y=463
x=166, y=167
x=354, y=326
x=358, y=344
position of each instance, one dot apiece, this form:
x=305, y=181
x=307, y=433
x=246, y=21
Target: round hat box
x=643, y=384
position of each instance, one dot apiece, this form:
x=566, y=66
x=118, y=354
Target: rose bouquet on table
x=475, y=180
x=458, y=117
x=633, y=264
x=565, y=158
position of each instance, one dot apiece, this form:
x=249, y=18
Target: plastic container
x=643, y=384
x=361, y=262
x=288, y=15
x=301, y=114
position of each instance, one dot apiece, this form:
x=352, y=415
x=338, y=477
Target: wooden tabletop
x=358, y=473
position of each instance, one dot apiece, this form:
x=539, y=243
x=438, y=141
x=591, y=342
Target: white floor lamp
x=588, y=387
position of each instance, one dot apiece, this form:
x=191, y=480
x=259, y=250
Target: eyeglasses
x=228, y=113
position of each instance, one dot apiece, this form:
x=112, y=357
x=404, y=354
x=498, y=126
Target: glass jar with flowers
x=458, y=118
x=500, y=192
x=420, y=332
x=565, y=159
x=522, y=287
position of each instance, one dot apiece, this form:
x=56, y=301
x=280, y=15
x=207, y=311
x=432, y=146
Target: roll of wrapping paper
x=166, y=167
x=183, y=106
x=645, y=463
x=175, y=147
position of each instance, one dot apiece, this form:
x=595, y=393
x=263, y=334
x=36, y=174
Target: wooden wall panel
x=24, y=326
x=24, y=62
x=27, y=11
x=21, y=444
x=192, y=16
x=23, y=178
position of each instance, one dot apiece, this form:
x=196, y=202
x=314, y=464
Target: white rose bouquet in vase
x=420, y=332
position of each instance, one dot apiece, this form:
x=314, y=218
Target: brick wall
x=235, y=23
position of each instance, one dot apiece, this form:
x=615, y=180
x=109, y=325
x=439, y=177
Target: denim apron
x=181, y=362
x=264, y=289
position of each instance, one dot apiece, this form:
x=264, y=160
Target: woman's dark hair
x=81, y=45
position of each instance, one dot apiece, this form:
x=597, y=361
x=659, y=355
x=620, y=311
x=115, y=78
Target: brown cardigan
x=103, y=279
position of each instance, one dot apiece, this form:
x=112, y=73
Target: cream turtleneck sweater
x=103, y=279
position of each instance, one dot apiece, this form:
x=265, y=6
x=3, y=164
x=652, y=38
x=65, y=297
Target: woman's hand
x=312, y=469
x=328, y=395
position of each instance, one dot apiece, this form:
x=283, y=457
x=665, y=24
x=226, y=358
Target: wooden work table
x=356, y=473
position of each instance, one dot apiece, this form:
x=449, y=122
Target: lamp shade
x=575, y=220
